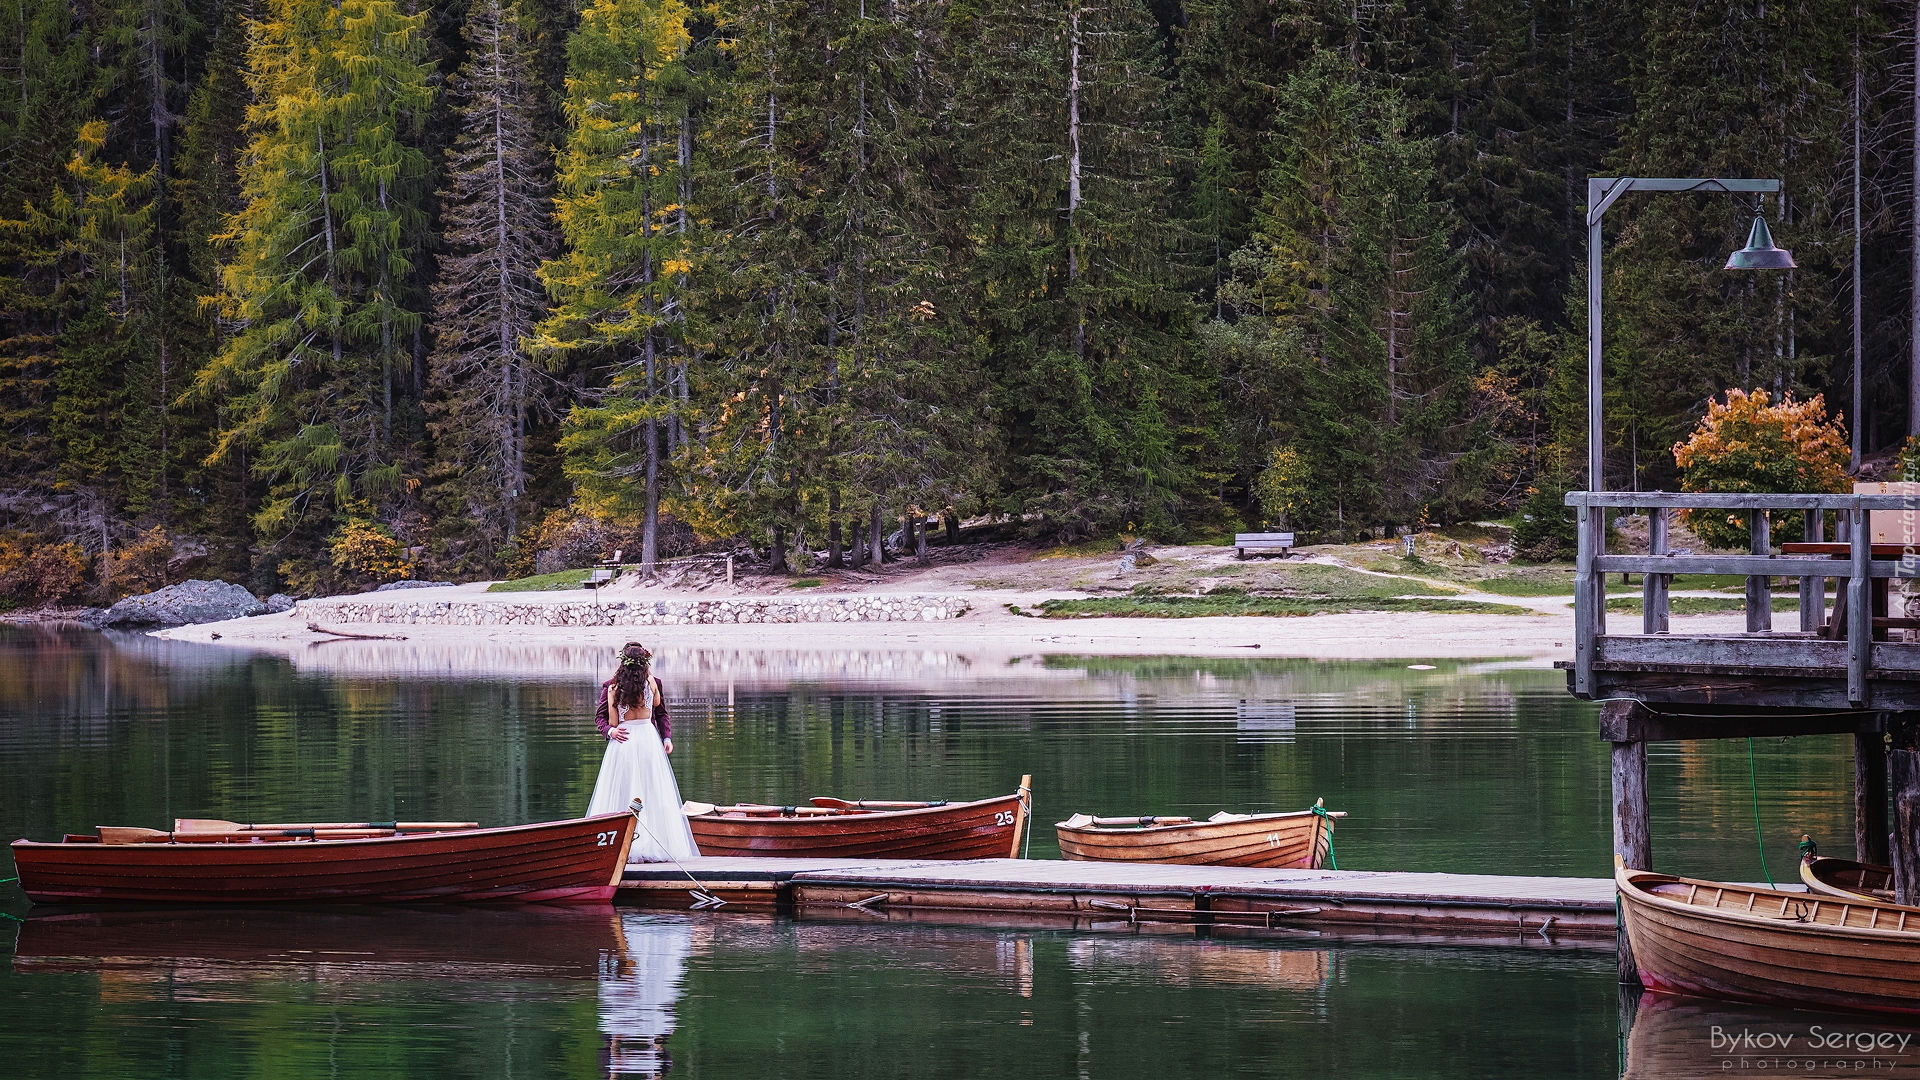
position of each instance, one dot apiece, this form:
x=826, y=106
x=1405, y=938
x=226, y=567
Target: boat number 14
x=1002, y=817
x=605, y=838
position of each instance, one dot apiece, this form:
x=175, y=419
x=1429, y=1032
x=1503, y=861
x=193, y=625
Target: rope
x=1333, y=861
x=1753, y=782
x=4, y=880
x=15, y=918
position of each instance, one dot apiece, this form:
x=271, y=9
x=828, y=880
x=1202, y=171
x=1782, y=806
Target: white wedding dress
x=638, y=768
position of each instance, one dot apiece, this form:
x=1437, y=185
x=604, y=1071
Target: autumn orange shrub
x=1749, y=444
x=141, y=566
x=369, y=551
x=33, y=571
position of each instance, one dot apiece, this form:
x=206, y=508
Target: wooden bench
x=599, y=576
x=1245, y=542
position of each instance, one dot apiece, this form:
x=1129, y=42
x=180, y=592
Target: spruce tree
x=1074, y=308
x=1348, y=338
x=321, y=252
x=496, y=231
x=617, y=286
x=47, y=90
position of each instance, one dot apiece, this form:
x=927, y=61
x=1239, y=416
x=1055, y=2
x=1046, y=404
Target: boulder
x=187, y=602
x=392, y=585
x=279, y=603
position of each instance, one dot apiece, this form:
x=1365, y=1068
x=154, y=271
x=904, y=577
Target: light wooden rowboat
x=1849, y=880
x=1294, y=840
x=1744, y=943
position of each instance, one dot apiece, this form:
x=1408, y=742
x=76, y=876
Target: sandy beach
x=989, y=629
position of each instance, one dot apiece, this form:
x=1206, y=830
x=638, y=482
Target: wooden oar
x=216, y=825
x=121, y=834
x=755, y=809
x=873, y=804
x=1142, y=821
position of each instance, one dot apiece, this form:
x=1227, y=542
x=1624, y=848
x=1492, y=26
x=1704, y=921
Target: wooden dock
x=1846, y=668
x=1028, y=892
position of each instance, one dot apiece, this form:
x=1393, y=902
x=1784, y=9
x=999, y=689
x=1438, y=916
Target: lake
x=1484, y=767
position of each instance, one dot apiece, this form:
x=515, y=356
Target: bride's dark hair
x=630, y=681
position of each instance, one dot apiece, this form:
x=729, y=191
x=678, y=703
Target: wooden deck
x=1840, y=657
x=1057, y=892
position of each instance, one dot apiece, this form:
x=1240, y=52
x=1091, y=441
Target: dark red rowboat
x=579, y=859
x=983, y=829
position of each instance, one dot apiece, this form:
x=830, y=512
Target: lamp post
x=1602, y=193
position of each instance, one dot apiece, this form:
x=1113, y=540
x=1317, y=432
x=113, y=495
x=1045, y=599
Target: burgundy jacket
x=603, y=720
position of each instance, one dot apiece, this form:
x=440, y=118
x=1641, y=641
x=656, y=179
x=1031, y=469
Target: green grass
x=806, y=583
x=1086, y=549
x=559, y=579
x=1193, y=607
x=1701, y=605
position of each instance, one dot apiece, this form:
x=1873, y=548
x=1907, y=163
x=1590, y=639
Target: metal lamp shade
x=1760, y=254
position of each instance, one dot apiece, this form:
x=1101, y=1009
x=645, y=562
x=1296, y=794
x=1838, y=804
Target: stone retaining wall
x=739, y=609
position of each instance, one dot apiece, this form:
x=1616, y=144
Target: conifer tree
x=47, y=89
x=496, y=231
x=321, y=252
x=1074, y=306
x=1349, y=334
x=617, y=286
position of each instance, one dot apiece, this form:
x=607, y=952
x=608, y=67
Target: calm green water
x=1468, y=767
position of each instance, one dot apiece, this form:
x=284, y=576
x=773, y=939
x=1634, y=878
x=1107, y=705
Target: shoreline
x=987, y=629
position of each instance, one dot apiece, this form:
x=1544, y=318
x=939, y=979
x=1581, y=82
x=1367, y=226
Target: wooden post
x=1632, y=826
x=1589, y=599
x=1813, y=590
x=1903, y=776
x=1859, y=606
x=1653, y=587
x=1020, y=815
x=1759, y=587
x=1870, y=797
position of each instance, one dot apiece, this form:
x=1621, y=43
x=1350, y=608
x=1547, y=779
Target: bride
x=632, y=715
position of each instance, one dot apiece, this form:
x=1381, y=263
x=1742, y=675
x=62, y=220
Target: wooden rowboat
x=838, y=828
x=1295, y=840
x=1745, y=943
x=579, y=859
x=1850, y=880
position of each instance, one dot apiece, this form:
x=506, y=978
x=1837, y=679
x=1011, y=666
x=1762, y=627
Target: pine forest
x=315, y=294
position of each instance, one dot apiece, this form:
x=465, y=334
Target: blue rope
x=1333, y=861
x=1753, y=782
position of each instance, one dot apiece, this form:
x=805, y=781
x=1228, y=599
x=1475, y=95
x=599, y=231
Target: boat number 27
x=1002, y=817
x=604, y=838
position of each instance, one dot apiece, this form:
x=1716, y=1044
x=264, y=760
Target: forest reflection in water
x=1469, y=767
x=592, y=992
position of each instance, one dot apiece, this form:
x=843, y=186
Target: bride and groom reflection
x=641, y=980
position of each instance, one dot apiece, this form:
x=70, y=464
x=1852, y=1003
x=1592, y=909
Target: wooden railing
x=1858, y=572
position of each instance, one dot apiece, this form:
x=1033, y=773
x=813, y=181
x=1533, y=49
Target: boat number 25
x=602, y=839
x=1002, y=817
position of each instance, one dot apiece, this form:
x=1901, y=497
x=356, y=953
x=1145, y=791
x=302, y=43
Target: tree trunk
x=857, y=550
x=877, y=539
x=917, y=521
x=777, y=558
x=952, y=522
x=834, y=560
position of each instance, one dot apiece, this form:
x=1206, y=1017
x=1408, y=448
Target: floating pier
x=1027, y=892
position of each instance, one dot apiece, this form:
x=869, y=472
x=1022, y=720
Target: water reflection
x=640, y=981
x=1472, y=768
x=1679, y=1038
x=597, y=993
